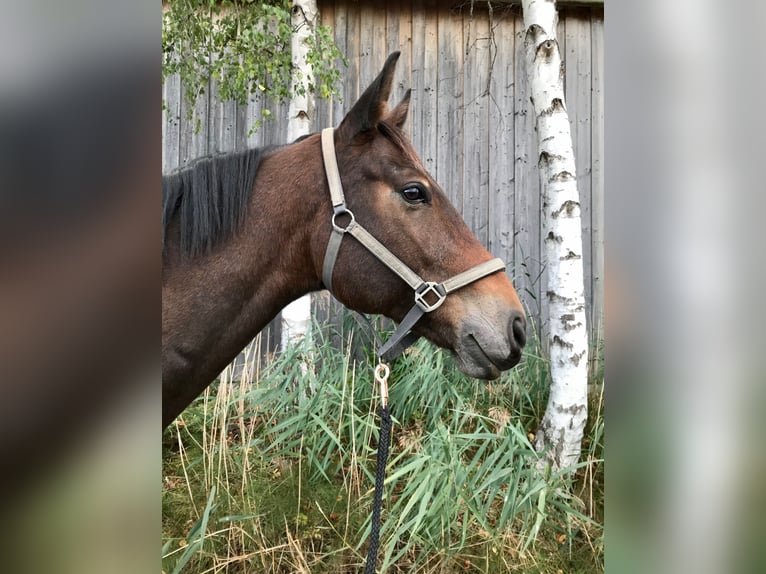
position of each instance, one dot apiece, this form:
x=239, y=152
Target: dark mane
x=209, y=199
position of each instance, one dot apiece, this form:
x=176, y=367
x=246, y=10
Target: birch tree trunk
x=561, y=430
x=296, y=317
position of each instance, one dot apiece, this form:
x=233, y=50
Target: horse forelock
x=402, y=143
x=397, y=137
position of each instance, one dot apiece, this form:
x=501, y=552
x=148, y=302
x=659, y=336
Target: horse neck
x=213, y=306
x=290, y=202
x=271, y=261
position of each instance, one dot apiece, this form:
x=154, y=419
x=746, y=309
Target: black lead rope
x=380, y=476
x=381, y=377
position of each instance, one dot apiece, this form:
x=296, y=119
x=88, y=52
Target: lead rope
x=382, y=371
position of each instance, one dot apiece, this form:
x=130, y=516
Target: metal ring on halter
x=430, y=288
x=351, y=224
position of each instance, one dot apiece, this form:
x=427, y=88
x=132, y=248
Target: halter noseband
x=424, y=290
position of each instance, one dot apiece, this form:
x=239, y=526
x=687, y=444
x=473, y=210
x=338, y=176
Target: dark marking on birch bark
x=553, y=296
x=562, y=343
x=546, y=50
x=548, y=436
x=552, y=236
x=567, y=208
x=570, y=410
x=556, y=107
x=569, y=256
x=532, y=36
x=546, y=158
x=563, y=175
x=571, y=326
x=577, y=357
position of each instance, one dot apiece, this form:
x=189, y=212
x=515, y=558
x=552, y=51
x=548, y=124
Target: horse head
x=401, y=205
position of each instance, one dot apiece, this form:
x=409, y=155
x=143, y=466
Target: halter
x=428, y=295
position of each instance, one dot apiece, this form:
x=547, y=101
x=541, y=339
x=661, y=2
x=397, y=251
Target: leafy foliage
x=244, y=45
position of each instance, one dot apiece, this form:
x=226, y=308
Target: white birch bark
x=296, y=317
x=561, y=430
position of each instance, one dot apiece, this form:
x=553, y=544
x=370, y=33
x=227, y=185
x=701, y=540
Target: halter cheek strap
x=428, y=295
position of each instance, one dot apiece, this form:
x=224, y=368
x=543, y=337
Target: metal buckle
x=341, y=210
x=426, y=289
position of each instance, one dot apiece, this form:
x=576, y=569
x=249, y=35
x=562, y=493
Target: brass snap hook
x=382, y=371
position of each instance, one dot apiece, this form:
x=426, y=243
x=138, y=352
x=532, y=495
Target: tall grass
x=274, y=472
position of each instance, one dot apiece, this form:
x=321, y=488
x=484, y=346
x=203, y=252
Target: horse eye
x=413, y=194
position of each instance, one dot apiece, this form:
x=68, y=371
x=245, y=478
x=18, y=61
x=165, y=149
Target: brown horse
x=246, y=233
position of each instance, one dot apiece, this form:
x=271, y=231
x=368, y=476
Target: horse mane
x=209, y=197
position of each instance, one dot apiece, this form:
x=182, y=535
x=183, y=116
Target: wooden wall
x=469, y=120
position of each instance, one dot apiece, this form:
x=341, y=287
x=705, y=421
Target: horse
x=246, y=233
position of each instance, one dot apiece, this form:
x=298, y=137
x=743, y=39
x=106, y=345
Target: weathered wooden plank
x=228, y=126
x=578, y=101
x=214, y=120
x=199, y=138
x=450, y=104
x=501, y=132
x=165, y=119
x=254, y=115
x=354, y=55
x=321, y=117
x=475, y=180
x=281, y=118
x=424, y=83
x=597, y=175
x=201, y=110
x=241, y=126
x=172, y=133
x=222, y=122
x=393, y=10
x=185, y=130
x=417, y=79
x=340, y=34
x=405, y=46
x=529, y=281
x=378, y=50
x=367, y=25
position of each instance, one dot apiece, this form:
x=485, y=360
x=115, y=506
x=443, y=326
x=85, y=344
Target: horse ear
x=372, y=105
x=398, y=115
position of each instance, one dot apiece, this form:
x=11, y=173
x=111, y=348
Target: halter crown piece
x=428, y=295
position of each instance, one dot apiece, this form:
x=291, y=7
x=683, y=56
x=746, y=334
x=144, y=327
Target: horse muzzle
x=488, y=345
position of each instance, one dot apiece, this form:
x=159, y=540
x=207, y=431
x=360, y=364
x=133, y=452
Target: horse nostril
x=519, y=329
